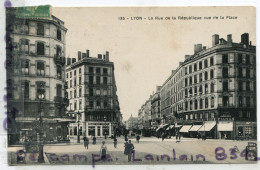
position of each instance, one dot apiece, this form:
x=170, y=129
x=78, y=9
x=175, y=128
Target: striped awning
x=207, y=126
x=195, y=128
x=185, y=128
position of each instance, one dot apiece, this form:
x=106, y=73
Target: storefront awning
x=161, y=126
x=225, y=126
x=185, y=128
x=207, y=126
x=195, y=128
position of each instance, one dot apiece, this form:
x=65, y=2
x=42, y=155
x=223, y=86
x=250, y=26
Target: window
x=247, y=59
x=186, y=92
x=91, y=70
x=104, y=92
x=71, y=96
x=25, y=89
x=105, y=104
x=240, y=72
x=40, y=29
x=247, y=86
x=200, y=77
x=200, y=89
x=212, y=102
x=67, y=75
x=75, y=93
x=58, y=51
x=58, y=34
x=196, y=104
x=186, y=72
x=201, y=105
x=40, y=90
x=59, y=90
x=40, y=48
x=225, y=58
x=90, y=79
x=91, y=92
x=195, y=67
x=190, y=91
x=206, y=75
x=212, y=88
x=211, y=61
x=97, y=91
x=190, y=80
x=186, y=82
x=205, y=63
x=247, y=72
x=70, y=74
x=25, y=67
x=98, y=105
x=195, y=90
x=98, y=70
x=206, y=102
x=186, y=105
x=40, y=69
x=25, y=46
x=195, y=79
x=240, y=58
x=80, y=91
x=190, y=69
x=212, y=74
x=225, y=86
x=91, y=104
x=206, y=88
x=225, y=100
x=59, y=72
x=80, y=80
x=75, y=82
x=104, y=80
x=75, y=72
x=200, y=65
x=80, y=104
x=75, y=104
x=79, y=70
x=70, y=83
x=225, y=72
x=104, y=70
x=97, y=79
x=240, y=101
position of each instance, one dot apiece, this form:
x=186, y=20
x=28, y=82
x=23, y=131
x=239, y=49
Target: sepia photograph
x=131, y=85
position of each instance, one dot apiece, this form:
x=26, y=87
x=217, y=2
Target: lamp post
x=41, y=93
x=105, y=119
x=78, y=137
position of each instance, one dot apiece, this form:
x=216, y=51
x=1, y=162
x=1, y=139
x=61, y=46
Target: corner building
x=213, y=92
x=35, y=78
x=93, y=101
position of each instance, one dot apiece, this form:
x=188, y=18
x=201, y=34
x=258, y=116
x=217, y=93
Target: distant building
x=35, y=78
x=132, y=123
x=156, y=108
x=214, y=89
x=92, y=94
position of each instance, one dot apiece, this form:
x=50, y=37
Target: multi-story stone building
x=214, y=91
x=132, y=123
x=35, y=78
x=155, y=107
x=92, y=96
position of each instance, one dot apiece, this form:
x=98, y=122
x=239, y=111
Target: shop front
x=225, y=129
x=245, y=130
x=208, y=129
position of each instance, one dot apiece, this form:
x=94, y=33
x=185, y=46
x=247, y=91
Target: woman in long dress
x=103, y=151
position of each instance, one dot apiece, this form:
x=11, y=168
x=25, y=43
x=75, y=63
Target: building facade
x=35, y=79
x=156, y=108
x=214, y=90
x=92, y=96
x=132, y=123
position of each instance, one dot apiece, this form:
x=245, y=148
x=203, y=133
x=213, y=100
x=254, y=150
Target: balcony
x=59, y=60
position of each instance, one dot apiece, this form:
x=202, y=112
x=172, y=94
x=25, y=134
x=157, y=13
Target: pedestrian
x=130, y=148
x=126, y=139
x=137, y=138
x=86, y=142
x=162, y=137
x=94, y=140
x=103, y=151
x=177, y=138
x=126, y=147
x=115, y=142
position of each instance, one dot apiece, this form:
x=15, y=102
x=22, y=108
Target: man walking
x=86, y=142
x=137, y=138
x=115, y=142
x=130, y=148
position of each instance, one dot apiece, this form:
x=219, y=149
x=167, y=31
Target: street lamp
x=105, y=119
x=78, y=137
x=41, y=92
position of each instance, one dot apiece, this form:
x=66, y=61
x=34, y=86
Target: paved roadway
x=148, y=151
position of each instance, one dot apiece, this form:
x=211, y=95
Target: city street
x=149, y=151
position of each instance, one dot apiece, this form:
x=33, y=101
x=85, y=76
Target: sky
x=145, y=51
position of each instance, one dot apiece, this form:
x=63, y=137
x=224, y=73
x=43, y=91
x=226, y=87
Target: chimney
x=173, y=71
x=104, y=56
x=245, y=39
x=87, y=53
x=84, y=55
x=158, y=88
x=73, y=60
x=197, y=48
x=100, y=56
x=180, y=63
x=68, y=61
x=204, y=47
x=250, y=43
x=215, y=39
x=79, y=55
x=107, y=56
x=229, y=38
x=187, y=57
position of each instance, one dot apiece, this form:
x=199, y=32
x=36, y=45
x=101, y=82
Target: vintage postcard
x=131, y=85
